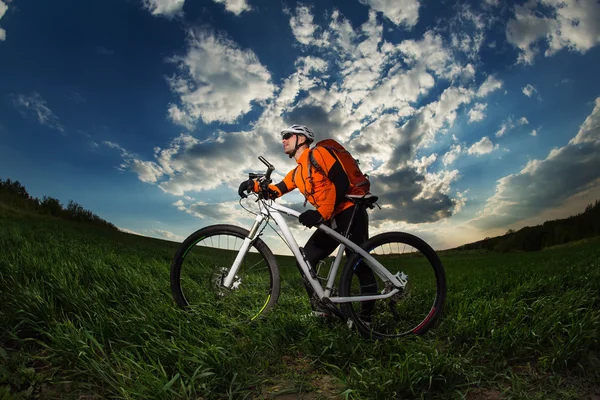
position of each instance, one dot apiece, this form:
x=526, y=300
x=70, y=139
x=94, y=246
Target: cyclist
x=325, y=189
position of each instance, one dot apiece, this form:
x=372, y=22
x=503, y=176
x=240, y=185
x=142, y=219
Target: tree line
x=531, y=238
x=14, y=194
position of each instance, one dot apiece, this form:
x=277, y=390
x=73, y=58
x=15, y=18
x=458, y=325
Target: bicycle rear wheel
x=202, y=263
x=415, y=308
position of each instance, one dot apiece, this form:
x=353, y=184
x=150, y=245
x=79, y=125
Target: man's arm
x=281, y=188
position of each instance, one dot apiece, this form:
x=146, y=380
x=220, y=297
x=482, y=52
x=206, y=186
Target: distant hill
x=13, y=194
x=550, y=233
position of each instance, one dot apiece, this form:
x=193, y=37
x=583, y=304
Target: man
x=325, y=189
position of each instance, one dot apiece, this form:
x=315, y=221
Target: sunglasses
x=287, y=135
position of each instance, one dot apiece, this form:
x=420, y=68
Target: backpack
x=359, y=182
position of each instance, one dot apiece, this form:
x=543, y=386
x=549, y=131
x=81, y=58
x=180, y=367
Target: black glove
x=245, y=186
x=310, y=218
x=271, y=194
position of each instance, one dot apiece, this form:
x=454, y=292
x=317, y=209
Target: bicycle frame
x=270, y=209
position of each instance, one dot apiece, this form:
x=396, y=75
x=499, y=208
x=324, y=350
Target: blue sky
x=470, y=117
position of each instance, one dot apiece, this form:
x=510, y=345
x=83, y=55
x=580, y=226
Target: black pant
x=320, y=245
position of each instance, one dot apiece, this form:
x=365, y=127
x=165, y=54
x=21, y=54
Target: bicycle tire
x=203, y=260
x=410, y=311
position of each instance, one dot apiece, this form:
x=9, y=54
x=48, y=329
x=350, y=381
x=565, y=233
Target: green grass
x=88, y=312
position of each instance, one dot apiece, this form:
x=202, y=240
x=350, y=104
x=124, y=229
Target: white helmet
x=301, y=130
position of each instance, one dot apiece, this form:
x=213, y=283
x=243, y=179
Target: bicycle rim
x=203, y=265
x=413, y=309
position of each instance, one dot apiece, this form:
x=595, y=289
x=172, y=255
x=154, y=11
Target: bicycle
x=232, y=270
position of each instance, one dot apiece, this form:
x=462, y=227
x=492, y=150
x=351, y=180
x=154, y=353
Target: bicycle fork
x=227, y=282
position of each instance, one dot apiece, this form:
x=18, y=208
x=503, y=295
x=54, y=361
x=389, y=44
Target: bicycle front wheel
x=204, y=260
x=416, y=305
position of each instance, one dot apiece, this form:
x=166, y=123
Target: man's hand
x=247, y=186
x=310, y=218
x=271, y=194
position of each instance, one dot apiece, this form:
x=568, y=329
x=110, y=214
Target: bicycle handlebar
x=263, y=179
x=270, y=167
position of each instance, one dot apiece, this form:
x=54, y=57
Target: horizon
x=595, y=203
x=470, y=118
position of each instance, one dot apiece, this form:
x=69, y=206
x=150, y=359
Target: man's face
x=289, y=142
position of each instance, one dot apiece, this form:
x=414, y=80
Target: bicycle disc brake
x=219, y=278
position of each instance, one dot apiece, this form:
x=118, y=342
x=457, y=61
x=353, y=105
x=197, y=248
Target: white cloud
x=461, y=201
x=398, y=11
x=502, y=130
x=228, y=212
x=571, y=24
x=34, y=105
x=302, y=25
x=489, y=85
x=218, y=81
x=180, y=117
x=129, y=231
x=235, y=6
x=342, y=33
x=484, y=146
x=455, y=151
x=529, y=90
x=509, y=124
x=113, y=145
x=421, y=165
x=505, y=127
x=534, y=132
x=590, y=130
x=477, y=113
x=190, y=165
x=167, y=235
x=429, y=52
x=373, y=80
x=468, y=30
x=3, y=8
x=438, y=182
x=547, y=183
x=371, y=84
x=385, y=140
x=147, y=171
x=468, y=72
x=167, y=8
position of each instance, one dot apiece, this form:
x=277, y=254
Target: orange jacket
x=325, y=189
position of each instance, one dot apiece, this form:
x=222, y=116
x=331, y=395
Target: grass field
x=86, y=313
